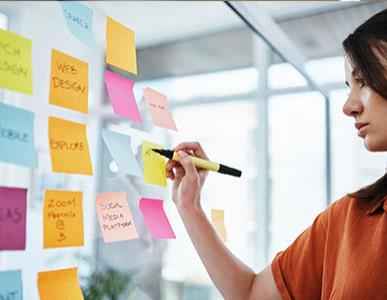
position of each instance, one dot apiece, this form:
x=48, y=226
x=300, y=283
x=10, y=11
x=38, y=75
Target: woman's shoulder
x=347, y=206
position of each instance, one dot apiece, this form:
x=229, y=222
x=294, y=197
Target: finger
x=170, y=164
x=188, y=165
x=195, y=147
x=170, y=175
x=179, y=171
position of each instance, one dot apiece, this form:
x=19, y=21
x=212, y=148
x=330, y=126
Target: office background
x=230, y=87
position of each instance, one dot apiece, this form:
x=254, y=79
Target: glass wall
x=297, y=165
x=203, y=58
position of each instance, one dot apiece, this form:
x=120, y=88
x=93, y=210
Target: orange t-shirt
x=343, y=255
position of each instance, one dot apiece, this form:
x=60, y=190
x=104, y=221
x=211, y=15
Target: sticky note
x=13, y=204
x=15, y=62
x=17, y=136
x=68, y=147
x=156, y=219
x=154, y=164
x=120, y=148
x=121, y=96
x=158, y=107
x=217, y=218
x=62, y=219
x=59, y=285
x=115, y=219
x=79, y=19
x=11, y=285
x=69, y=82
x=120, y=46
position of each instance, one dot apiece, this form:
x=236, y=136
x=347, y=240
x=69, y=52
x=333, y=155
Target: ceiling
x=158, y=22
x=178, y=38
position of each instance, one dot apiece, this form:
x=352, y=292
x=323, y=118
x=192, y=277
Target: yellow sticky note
x=69, y=82
x=154, y=164
x=68, y=147
x=59, y=285
x=63, y=219
x=15, y=62
x=217, y=218
x=120, y=46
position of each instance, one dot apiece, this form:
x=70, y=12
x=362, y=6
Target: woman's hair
x=366, y=49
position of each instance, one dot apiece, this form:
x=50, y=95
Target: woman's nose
x=352, y=107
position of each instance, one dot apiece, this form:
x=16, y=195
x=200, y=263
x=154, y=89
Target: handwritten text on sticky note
x=154, y=164
x=13, y=204
x=115, y=219
x=69, y=147
x=69, y=82
x=15, y=62
x=11, y=285
x=59, y=285
x=17, y=136
x=158, y=107
x=79, y=19
x=63, y=219
x=156, y=219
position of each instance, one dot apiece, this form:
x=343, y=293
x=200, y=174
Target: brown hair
x=366, y=49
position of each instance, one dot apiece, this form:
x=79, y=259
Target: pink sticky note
x=115, y=219
x=121, y=96
x=13, y=204
x=158, y=107
x=156, y=219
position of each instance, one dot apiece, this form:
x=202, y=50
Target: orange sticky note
x=115, y=219
x=69, y=82
x=59, y=285
x=68, y=147
x=63, y=219
x=158, y=107
x=120, y=46
x=217, y=218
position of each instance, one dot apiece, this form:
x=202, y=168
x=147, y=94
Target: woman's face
x=369, y=109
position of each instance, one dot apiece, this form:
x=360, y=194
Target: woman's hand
x=187, y=180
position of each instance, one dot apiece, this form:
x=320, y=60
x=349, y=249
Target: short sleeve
x=298, y=270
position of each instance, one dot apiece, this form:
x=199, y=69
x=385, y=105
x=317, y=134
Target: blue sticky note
x=11, y=285
x=120, y=148
x=79, y=19
x=17, y=136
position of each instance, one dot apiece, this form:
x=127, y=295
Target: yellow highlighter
x=201, y=163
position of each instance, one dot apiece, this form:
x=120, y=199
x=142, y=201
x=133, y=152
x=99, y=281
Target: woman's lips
x=362, y=130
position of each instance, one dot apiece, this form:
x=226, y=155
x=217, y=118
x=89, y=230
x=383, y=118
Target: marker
x=201, y=163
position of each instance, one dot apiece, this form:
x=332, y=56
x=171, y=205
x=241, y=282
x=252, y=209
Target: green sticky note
x=15, y=62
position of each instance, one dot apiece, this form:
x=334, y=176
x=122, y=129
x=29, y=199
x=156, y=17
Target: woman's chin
x=373, y=145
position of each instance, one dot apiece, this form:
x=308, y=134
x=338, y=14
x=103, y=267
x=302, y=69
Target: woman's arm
x=233, y=279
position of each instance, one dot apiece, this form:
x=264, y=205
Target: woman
x=342, y=255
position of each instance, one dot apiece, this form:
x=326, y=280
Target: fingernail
x=181, y=154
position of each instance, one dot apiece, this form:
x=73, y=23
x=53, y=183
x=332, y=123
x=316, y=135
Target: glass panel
x=297, y=165
x=284, y=75
x=200, y=56
x=231, y=141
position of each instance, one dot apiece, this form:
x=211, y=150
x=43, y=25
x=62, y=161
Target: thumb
x=188, y=165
